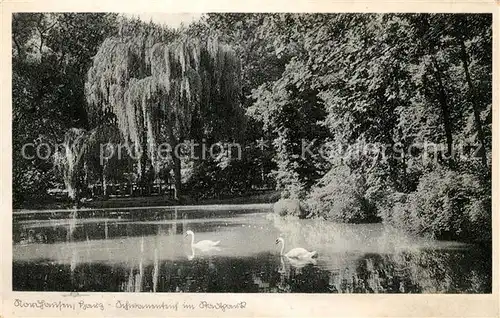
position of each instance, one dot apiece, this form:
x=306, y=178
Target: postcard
x=267, y=159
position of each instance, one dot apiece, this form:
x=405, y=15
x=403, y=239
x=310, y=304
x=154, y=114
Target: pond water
x=145, y=250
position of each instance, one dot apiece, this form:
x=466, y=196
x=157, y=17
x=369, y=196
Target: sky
x=173, y=20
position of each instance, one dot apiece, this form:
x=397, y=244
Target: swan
x=202, y=245
x=297, y=253
x=300, y=263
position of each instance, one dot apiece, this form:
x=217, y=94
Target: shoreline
x=169, y=207
x=154, y=202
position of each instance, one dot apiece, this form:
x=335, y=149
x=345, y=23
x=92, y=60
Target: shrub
x=446, y=205
x=290, y=207
x=340, y=196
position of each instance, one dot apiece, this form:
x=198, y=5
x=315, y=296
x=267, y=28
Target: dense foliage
x=50, y=59
x=399, y=103
x=395, y=97
x=445, y=205
x=165, y=91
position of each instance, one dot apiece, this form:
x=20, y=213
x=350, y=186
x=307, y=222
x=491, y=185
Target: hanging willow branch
x=68, y=158
x=165, y=92
x=78, y=157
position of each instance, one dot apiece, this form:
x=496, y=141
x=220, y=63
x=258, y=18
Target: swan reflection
x=289, y=265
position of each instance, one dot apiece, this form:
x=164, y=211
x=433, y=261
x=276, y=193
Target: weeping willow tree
x=78, y=158
x=103, y=141
x=165, y=91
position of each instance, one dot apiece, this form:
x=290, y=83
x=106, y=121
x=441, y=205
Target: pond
x=146, y=250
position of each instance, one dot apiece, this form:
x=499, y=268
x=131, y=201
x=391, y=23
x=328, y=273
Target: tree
x=50, y=56
x=160, y=87
x=389, y=81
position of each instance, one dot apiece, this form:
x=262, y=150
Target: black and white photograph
x=324, y=153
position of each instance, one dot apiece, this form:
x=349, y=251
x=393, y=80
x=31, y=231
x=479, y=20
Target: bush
x=341, y=196
x=446, y=205
x=290, y=207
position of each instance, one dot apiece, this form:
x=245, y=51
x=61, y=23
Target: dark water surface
x=144, y=250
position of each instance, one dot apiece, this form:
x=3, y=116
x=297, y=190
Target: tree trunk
x=475, y=108
x=104, y=192
x=177, y=163
x=445, y=111
x=177, y=175
x=144, y=162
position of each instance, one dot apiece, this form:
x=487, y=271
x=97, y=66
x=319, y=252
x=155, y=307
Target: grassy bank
x=123, y=202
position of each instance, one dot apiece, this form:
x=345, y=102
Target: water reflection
x=138, y=254
x=204, y=251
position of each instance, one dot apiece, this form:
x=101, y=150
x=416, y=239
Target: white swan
x=297, y=253
x=202, y=245
x=299, y=263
